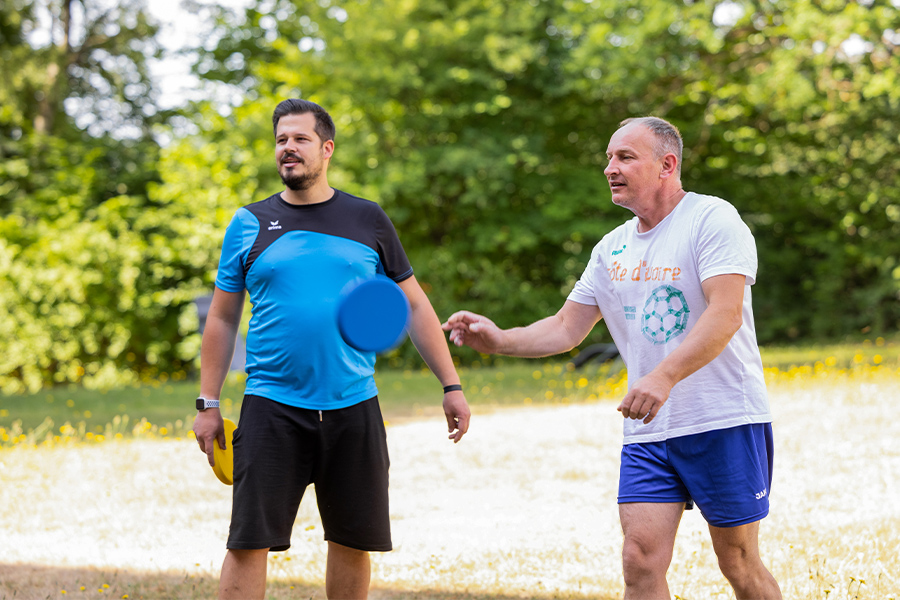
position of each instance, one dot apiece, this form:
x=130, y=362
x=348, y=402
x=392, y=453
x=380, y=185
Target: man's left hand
x=646, y=398
x=456, y=409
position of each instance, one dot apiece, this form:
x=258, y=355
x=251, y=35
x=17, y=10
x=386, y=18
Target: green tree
x=798, y=128
x=482, y=127
x=91, y=285
x=457, y=117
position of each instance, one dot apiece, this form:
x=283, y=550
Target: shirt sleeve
x=235, y=247
x=394, y=262
x=583, y=292
x=725, y=244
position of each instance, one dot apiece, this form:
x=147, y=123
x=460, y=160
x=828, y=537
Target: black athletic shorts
x=279, y=450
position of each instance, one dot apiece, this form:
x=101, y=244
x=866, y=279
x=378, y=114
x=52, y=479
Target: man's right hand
x=209, y=428
x=473, y=330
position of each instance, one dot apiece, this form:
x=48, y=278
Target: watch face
x=200, y=404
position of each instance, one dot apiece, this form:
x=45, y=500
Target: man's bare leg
x=244, y=575
x=737, y=549
x=649, y=531
x=347, y=573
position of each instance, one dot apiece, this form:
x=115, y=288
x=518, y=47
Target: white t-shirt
x=647, y=286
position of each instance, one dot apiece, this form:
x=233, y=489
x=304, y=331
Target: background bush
x=481, y=126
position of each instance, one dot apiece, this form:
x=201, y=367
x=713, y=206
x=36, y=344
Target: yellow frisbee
x=224, y=459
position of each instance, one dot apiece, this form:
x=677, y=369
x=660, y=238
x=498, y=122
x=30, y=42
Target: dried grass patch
x=523, y=507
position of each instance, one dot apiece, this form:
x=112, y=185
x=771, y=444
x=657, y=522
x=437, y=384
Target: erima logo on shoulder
x=619, y=251
x=274, y=225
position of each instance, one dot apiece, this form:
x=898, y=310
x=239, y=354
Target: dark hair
x=668, y=138
x=295, y=106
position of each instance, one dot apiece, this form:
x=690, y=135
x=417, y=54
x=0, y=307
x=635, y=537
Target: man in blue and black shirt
x=310, y=412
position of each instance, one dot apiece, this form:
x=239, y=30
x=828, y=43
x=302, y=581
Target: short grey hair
x=668, y=138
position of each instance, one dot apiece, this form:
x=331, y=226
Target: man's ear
x=328, y=148
x=669, y=166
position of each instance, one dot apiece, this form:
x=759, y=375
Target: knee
x=737, y=564
x=642, y=562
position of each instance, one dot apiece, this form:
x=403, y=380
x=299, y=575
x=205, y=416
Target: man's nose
x=290, y=146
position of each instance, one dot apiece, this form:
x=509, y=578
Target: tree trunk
x=48, y=102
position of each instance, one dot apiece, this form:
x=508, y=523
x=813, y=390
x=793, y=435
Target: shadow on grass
x=27, y=581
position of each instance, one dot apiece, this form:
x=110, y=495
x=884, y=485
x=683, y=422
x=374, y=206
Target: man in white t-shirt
x=673, y=286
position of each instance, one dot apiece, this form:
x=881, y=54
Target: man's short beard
x=300, y=182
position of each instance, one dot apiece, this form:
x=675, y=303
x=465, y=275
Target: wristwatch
x=204, y=403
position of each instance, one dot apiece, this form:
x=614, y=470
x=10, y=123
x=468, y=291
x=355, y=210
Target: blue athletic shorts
x=727, y=473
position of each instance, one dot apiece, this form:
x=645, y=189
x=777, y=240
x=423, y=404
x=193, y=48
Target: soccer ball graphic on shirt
x=665, y=315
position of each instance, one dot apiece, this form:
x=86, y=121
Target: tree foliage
x=91, y=282
x=481, y=126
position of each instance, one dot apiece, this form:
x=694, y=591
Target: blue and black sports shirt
x=295, y=261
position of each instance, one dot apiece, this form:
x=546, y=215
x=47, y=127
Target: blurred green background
x=481, y=127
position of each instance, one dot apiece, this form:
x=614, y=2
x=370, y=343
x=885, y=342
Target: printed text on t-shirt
x=643, y=272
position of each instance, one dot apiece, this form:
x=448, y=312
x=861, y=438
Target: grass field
x=524, y=507
x=164, y=408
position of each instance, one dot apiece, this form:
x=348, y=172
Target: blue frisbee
x=373, y=315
